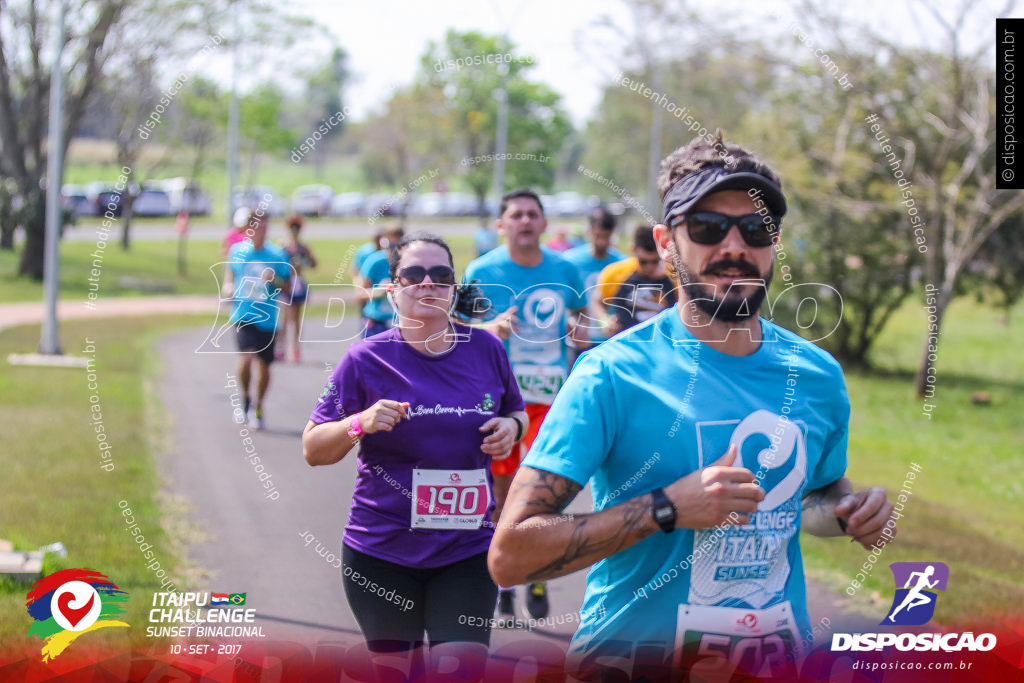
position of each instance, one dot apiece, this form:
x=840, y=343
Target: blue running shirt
x=545, y=294
x=378, y=271
x=255, y=299
x=589, y=265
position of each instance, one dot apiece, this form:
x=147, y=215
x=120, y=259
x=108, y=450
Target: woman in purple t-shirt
x=430, y=402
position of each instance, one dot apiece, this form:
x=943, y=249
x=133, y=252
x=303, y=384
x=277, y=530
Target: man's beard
x=729, y=309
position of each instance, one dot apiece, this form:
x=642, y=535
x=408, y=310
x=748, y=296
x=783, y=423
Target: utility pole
x=233, y=118
x=501, y=134
x=49, y=342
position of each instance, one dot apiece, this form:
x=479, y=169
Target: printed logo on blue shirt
x=749, y=564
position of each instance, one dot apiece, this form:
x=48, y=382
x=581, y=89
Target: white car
x=186, y=194
x=253, y=195
x=461, y=204
x=348, y=204
x=428, y=204
x=567, y=204
x=152, y=201
x=312, y=200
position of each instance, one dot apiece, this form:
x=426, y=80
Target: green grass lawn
x=53, y=488
x=965, y=507
x=154, y=264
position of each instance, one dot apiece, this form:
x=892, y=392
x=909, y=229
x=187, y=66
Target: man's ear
x=663, y=240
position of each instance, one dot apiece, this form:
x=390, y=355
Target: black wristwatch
x=663, y=511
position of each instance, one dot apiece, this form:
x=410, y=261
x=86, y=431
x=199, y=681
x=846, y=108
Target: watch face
x=663, y=514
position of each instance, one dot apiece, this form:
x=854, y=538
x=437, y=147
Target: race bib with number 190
x=449, y=499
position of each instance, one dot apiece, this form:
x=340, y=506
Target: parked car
x=152, y=201
x=461, y=204
x=186, y=194
x=103, y=198
x=548, y=202
x=347, y=204
x=76, y=199
x=385, y=204
x=252, y=196
x=492, y=204
x=427, y=204
x=312, y=200
x=567, y=204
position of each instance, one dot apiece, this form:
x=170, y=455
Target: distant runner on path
x=256, y=273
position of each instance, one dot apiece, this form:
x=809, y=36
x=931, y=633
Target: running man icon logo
x=914, y=603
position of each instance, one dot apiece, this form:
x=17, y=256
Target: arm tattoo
x=815, y=499
x=818, y=515
x=550, y=493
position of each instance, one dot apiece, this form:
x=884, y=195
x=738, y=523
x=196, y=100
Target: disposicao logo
x=914, y=605
x=69, y=603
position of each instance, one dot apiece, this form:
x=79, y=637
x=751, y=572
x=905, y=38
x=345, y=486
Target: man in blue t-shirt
x=708, y=423
x=374, y=276
x=537, y=296
x=256, y=273
x=364, y=250
x=591, y=259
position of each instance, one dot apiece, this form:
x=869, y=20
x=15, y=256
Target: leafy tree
x=325, y=93
x=997, y=274
x=26, y=33
x=260, y=123
x=845, y=228
x=409, y=137
x=202, y=118
x=691, y=98
x=467, y=117
x=942, y=113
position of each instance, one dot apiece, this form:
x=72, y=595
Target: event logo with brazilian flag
x=70, y=603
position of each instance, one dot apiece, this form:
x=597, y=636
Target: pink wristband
x=356, y=428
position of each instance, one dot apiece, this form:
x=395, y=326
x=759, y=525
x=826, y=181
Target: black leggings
x=395, y=604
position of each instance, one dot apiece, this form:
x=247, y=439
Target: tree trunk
x=127, y=209
x=32, y=255
x=35, y=247
x=926, y=367
x=7, y=226
x=7, y=220
x=182, y=258
x=481, y=206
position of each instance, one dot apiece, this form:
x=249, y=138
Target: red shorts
x=508, y=466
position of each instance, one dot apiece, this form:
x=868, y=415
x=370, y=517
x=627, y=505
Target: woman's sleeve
x=343, y=395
